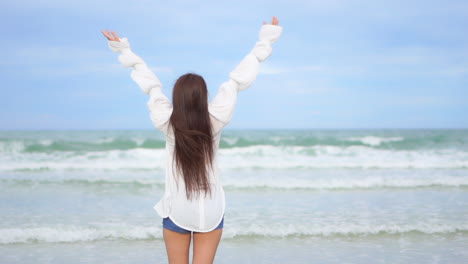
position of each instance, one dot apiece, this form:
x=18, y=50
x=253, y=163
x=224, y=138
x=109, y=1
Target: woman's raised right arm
x=159, y=105
x=223, y=104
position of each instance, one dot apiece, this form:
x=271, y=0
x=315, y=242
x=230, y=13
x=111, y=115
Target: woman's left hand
x=110, y=35
x=274, y=21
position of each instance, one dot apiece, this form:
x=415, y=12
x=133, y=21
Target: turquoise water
x=299, y=196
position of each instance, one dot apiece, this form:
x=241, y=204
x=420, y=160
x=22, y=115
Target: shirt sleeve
x=159, y=105
x=244, y=74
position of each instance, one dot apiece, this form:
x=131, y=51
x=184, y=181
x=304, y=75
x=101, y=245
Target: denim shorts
x=168, y=224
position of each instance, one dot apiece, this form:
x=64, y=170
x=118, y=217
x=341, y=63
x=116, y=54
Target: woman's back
x=201, y=213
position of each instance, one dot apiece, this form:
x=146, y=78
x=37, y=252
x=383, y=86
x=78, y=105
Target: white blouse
x=201, y=214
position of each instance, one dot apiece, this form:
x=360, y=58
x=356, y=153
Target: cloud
x=419, y=100
x=455, y=71
x=162, y=69
x=47, y=54
x=270, y=69
x=65, y=61
x=300, y=86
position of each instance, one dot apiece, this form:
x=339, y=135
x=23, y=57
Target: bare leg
x=177, y=246
x=205, y=246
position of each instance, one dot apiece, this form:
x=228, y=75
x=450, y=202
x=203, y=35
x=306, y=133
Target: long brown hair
x=190, y=120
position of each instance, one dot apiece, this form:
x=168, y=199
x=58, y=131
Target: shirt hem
x=199, y=230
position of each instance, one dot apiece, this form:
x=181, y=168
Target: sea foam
x=71, y=234
x=258, y=157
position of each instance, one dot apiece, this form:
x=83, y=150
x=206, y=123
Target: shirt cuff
x=270, y=33
x=119, y=46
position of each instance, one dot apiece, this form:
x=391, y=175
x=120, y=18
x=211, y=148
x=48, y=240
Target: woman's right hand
x=110, y=35
x=274, y=21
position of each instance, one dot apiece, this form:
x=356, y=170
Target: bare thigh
x=205, y=246
x=177, y=246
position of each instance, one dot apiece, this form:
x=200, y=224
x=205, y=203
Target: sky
x=338, y=64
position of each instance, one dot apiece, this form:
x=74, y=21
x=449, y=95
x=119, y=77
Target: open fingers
x=110, y=35
x=274, y=20
x=115, y=35
x=105, y=34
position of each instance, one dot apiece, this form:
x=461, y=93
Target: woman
x=193, y=201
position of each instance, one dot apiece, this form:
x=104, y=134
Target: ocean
x=292, y=196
